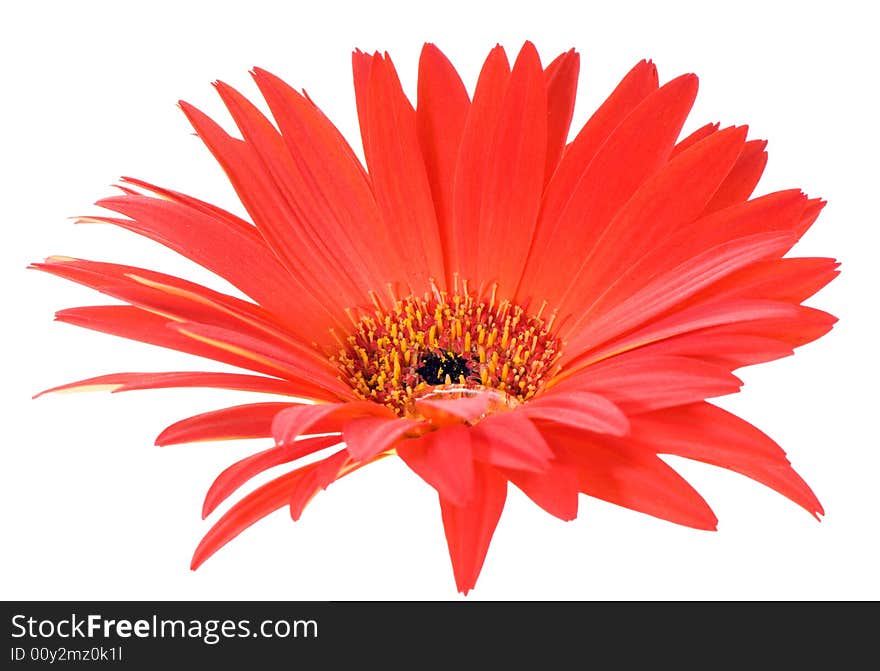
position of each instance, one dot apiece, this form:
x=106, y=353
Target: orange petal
x=469, y=528
x=441, y=115
x=712, y=435
x=443, y=459
x=471, y=170
x=366, y=437
x=561, y=78
x=514, y=176
x=510, y=440
x=580, y=409
x=118, y=382
x=399, y=179
x=636, y=382
x=241, y=471
x=634, y=150
x=612, y=470
x=251, y=420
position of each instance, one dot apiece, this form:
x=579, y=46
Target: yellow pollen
x=439, y=339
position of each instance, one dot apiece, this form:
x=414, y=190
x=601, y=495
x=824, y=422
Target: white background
x=92, y=510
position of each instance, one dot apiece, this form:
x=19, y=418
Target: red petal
x=471, y=170
x=117, y=382
x=777, y=212
x=334, y=193
x=400, y=182
x=580, y=409
x=442, y=411
x=185, y=301
x=638, y=147
x=791, y=280
x=366, y=437
x=296, y=420
x=639, y=83
x=261, y=502
x=555, y=490
x=266, y=356
x=320, y=476
x=701, y=316
x=716, y=345
x=469, y=527
x=743, y=178
x=701, y=133
x=443, y=459
x=252, y=420
x=205, y=234
x=314, y=209
x=612, y=470
x=625, y=306
x=510, y=440
x=251, y=509
x=639, y=383
x=241, y=471
x=706, y=433
x=441, y=115
x=268, y=206
x=514, y=177
x=650, y=216
x=134, y=323
x=561, y=78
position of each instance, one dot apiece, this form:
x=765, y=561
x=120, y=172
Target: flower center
x=441, y=341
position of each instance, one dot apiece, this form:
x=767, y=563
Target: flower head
x=487, y=300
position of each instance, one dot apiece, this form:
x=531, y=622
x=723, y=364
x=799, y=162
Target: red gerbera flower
x=487, y=301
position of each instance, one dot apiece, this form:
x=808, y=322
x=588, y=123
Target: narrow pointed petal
x=136, y=324
x=366, y=437
x=264, y=354
x=637, y=383
x=469, y=528
x=180, y=300
x=320, y=476
x=515, y=175
x=792, y=280
x=721, y=347
x=263, y=501
x=441, y=115
x=315, y=193
x=205, y=235
x=293, y=244
x=510, y=440
x=333, y=191
x=399, y=179
x=252, y=420
x=712, y=435
x=743, y=177
x=555, y=490
x=701, y=133
x=297, y=420
x=471, y=170
x=442, y=411
x=638, y=84
x=635, y=149
x=720, y=313
x=443, y=459
x=626, y=307
x=241, y=471
x=118, y=382
x=561, y=78
x=615, y=471
x=579, y=409
x=651, y=215
x=778, y=212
